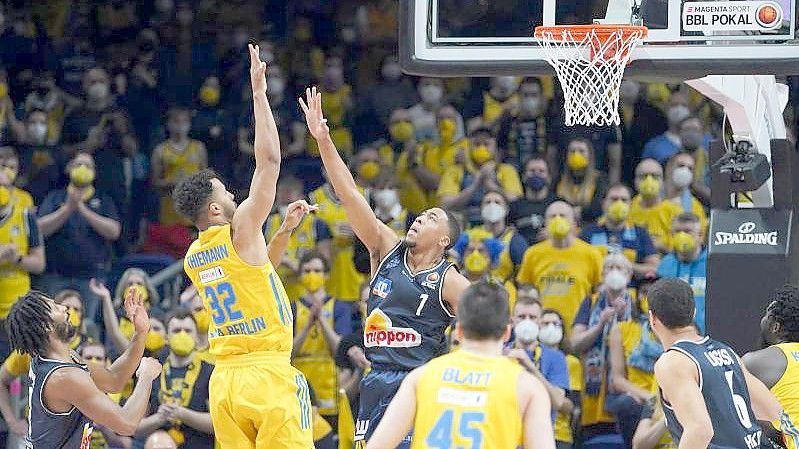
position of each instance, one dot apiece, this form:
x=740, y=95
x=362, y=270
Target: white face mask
x=37, y=132
x=550, y=335
x=431, y=94
x=616, y=280
x=531, y=104
x=493, y=212
x=506, y=83
x=682, y=177
x=526, y=331
x=392, y=71
x=630, y=91
x=676, y=114
x=386, y=198
x=98, y=91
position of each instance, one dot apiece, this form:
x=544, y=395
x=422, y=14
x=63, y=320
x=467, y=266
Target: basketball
x=767, y=15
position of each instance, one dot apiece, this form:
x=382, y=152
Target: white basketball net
x=590, y=69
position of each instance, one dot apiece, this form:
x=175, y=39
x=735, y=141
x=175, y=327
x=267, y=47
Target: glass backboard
x=687, y=39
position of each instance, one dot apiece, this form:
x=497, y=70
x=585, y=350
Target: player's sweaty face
x=428, y=228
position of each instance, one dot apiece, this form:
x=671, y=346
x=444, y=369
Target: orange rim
x=579, y=31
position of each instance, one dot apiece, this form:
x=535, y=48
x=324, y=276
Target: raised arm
x=677, y=377
x=251, y=214
x=114, y=378
x=74, y=387
x=377, y=237
x=295, y=212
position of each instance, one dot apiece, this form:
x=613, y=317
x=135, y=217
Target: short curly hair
x=192, y=194
x=784, y=309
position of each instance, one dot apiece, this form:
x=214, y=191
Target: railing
x=171, y=278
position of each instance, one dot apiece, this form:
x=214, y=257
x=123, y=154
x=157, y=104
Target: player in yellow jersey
x=473, y=397
x=251, y=330
x=777, y=365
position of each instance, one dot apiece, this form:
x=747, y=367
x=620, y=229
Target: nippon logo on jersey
x=382, y=287
x=378, y=331
x=431, y=281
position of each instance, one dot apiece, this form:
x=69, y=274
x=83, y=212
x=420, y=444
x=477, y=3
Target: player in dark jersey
x=66, y=396
x=709, y=398
x=414, y=290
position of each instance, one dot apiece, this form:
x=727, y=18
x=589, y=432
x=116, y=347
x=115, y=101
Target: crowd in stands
x=105, y=105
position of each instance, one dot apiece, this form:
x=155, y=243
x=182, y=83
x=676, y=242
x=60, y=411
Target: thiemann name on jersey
x=207, y=256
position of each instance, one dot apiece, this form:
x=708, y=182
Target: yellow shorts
x=259, y=400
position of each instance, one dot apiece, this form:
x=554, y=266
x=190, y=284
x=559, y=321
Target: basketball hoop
x=589, y=61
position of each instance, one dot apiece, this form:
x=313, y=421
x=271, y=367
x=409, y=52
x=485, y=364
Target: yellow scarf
x=179, y=392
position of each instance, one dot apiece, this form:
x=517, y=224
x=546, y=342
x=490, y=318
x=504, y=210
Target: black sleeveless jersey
x=726, y=396
x=49, y=430
x=406, y=314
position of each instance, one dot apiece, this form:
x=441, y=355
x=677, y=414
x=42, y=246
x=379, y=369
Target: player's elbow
x=124, y=427
x=701, y=431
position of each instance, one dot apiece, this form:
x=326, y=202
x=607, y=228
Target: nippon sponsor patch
x=462, y=398
x=211, y=274
x=431, y=281
x=379, y=331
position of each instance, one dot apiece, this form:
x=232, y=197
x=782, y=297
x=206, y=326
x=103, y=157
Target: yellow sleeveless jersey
x=177, y=164
x=14, y=281
x=302, y=240
x=468, y=400
x=21, y=198
x=345, y=280
x=248, y=305
x=787, y=392
x=630, y=337
x=314, y=358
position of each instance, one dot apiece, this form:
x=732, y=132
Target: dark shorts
x=377, y=390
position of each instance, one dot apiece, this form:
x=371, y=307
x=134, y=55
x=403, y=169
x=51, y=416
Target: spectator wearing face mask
x=649, y=209
x=423, y=114
x=688, y=260
x=679, y=180
x=49, y=98
x=664, y=146
x=366, y=167
x=21, y=252
x=421, y=165
x=525, y=131
x=563, y=268
x=344, y=276
x=527, y=212
x=547, y=364
x=179, y=397
x=38, y=167
x=213, y=125
x=394, y=91
x=640, y=121
x=320, y=321
x=479, y=254
x=580, y=183
x=463, y=185
x=79, y=225
x=494, y=213
x=613, y=233
x=338, y=103
x=312, y=234
x=696, y=142
x=174, y=159
x=634, y=349
x=9, y=163
x=119, y=332
x=551, y=335
x=486, y=107
x=598, y=314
